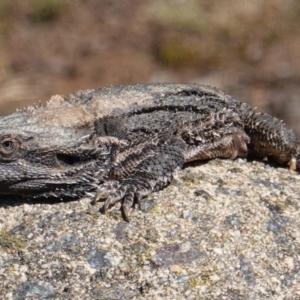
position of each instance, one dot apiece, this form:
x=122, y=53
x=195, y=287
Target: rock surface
x=221, y=230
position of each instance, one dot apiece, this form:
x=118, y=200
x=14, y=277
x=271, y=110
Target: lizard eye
x=8, y=146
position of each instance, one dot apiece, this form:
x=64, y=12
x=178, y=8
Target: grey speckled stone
x=202, y=194
x=116, y=292
x=222, y=230
x=37, y=290
x=247, y=271
x=177, y=254
x=277, y=224
x=98, y=259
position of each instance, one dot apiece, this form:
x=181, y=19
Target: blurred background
x=250, y=49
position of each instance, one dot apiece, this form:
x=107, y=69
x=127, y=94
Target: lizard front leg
x=151, y=174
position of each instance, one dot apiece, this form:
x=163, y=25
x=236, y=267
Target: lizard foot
x=127, y=194
x=152, y=174
x=105, y=190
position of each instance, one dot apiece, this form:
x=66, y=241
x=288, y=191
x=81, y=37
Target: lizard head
x=58, y=164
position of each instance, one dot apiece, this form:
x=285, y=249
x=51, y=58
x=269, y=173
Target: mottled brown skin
x=127, y=141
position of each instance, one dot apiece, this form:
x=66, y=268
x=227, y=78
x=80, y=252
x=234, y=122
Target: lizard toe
x=114, y=197
x=105, y=190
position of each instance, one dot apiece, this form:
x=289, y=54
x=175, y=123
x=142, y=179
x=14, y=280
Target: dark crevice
x=66, y=159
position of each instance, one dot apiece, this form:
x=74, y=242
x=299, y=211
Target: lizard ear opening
x=67, y=160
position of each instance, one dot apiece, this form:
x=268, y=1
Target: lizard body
x=127, y=141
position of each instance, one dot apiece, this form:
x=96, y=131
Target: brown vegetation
x=248, y=48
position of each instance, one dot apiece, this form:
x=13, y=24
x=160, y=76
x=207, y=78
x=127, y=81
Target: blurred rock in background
x=250, y=49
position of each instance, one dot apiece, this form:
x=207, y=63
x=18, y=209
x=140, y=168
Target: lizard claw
x=127, y=195
x=105, y=190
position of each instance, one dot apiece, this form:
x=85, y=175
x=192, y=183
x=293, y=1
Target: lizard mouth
x=47, y=189
x=36, y=186
x=39, y=183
